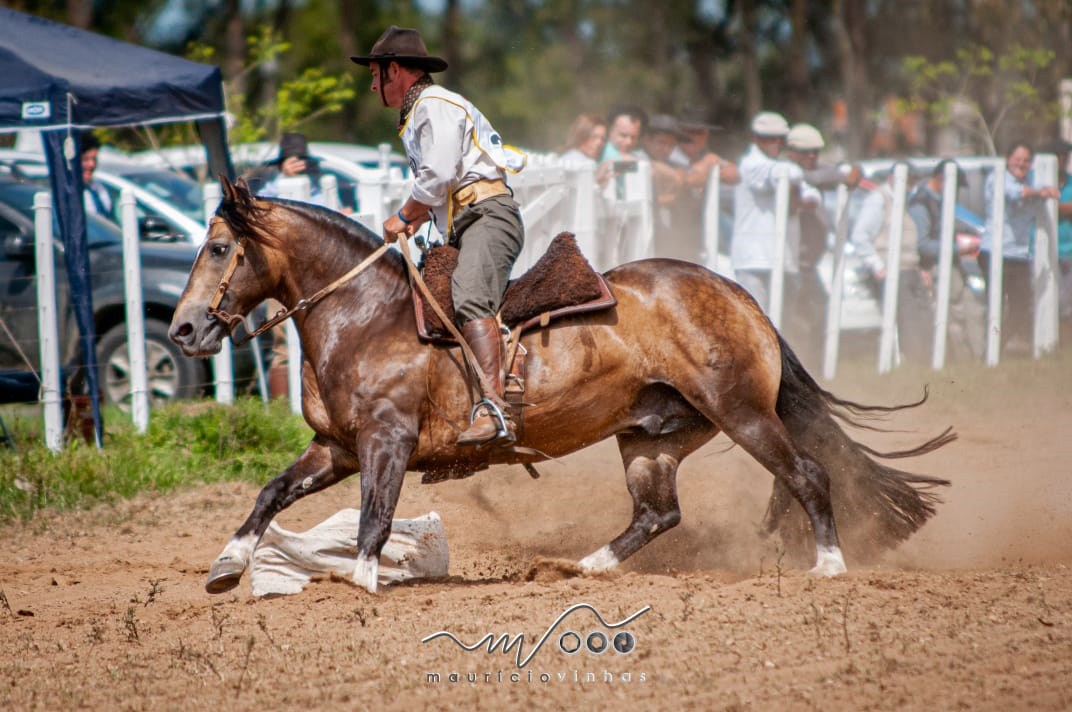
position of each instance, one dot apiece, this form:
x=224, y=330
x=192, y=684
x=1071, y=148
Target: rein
x=214, y=312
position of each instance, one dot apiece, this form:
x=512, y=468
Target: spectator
x=95, y=197
x=870, y=237
x=668, y=182
x=625, y=126
x=808, y=226
x=294, y=160
x=1021, y=203
x=695, y=150
x=585, y=140
x=925, y=209
x=584, y=145
x=1063, y=149
x=752, y=247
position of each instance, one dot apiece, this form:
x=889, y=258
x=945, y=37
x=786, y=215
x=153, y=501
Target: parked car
x=168, y=204
x=165, y=268
x=348, y=163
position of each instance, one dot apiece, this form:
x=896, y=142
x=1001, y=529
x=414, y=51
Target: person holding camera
x=294, y=160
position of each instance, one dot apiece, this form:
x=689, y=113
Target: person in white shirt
x=459, y=164
x=752, y=247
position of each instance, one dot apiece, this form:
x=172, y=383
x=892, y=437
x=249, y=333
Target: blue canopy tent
x=62, y=80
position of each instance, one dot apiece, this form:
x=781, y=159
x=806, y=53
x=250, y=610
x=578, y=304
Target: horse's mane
x=251, y=216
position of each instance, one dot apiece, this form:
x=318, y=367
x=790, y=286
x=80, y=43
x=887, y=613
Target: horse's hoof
x=830, y=563
x=367, y=572
x=598, y=561
x=224, y=575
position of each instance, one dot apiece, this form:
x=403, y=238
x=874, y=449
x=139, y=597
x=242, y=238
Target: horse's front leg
x=384, y=451
x=318, y=467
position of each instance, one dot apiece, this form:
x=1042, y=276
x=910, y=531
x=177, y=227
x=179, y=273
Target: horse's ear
x=243, y=189
x=228, y=189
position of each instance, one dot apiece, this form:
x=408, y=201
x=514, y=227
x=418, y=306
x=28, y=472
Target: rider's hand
x=393, y=225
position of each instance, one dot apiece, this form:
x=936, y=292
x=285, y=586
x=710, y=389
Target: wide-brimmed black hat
x=405, y=46
x=665, y=124
x=293, y=145
x=693, y=119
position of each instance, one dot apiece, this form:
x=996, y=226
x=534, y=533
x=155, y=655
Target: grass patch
x=188, y=443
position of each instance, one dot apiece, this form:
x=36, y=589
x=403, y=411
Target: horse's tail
x=875, y=506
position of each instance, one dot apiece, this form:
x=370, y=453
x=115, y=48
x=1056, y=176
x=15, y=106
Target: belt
x=476, y=191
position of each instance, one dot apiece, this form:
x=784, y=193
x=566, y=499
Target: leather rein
x=232, y=320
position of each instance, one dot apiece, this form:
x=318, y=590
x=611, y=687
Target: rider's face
x=392, y=93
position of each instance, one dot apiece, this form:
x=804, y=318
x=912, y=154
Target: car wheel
x=170, y=374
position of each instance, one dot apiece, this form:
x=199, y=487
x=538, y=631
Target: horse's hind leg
x=651, y=463
x=765, y=438
x=316, y=468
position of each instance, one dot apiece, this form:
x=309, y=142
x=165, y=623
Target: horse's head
x=235, y=270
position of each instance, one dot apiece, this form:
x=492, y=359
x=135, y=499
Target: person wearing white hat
x=752, y=247
x=808, y=229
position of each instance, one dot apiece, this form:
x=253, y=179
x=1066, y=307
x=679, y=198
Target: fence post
x=139, y=381
x=888, y=341
x=946, y=254
x=582, y=181
x=711, y=222
x=48, y=322
x=370, y=201
x=995, y=280
x=329, y=188
x=781, y=233
x=837, y=284
x=1044, y=266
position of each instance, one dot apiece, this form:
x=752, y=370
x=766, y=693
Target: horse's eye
x=219, y=249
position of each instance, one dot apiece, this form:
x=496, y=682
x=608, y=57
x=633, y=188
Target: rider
x=459, y=166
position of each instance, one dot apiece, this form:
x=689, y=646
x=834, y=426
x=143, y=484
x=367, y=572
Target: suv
x=165, y=268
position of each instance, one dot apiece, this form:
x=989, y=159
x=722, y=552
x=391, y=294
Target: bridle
x=232, y=320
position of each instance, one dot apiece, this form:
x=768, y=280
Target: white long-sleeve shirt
x=450, y=144
x=753, y=217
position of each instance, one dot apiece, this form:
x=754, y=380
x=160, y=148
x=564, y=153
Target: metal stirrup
x=495, y=412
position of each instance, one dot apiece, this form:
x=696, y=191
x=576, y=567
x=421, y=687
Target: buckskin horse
x=684, y=354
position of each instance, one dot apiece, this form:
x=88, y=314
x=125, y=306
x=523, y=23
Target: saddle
x=561, y=283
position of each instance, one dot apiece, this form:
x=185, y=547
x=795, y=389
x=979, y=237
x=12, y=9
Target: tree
x=980, y=90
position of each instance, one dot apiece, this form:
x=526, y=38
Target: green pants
x=489, y=236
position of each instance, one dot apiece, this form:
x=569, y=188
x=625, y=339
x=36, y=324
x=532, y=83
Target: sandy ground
x=106, y=609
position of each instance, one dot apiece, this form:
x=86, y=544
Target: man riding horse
x=459, y=166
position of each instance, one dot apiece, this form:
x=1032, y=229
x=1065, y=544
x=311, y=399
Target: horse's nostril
x=182, y=330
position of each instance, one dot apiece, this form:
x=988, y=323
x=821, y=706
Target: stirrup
x=502, y=434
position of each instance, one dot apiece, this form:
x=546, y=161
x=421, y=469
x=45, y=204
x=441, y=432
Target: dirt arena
x=106, y=609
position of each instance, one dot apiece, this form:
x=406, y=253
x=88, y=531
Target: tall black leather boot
x=483, y=338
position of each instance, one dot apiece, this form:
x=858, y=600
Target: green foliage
x=312, y=94
x=187, y=443
x=991, y=87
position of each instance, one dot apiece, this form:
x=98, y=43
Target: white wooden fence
x=610, y=230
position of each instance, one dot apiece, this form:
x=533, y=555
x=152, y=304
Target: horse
x=684, y=355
